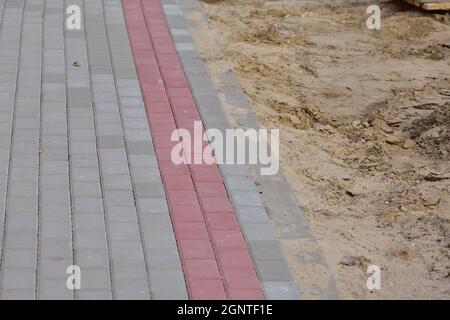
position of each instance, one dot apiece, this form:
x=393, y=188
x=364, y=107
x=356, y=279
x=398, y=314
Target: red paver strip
x=215, y=257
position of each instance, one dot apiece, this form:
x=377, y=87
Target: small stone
x=356, y=124
x=392, y=139
x=277, y=12
x=349, y=261
x=408, y=144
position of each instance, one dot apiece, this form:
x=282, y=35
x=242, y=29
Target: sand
x=364, y=117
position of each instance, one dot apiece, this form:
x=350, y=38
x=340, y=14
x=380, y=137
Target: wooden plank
x=431, y=4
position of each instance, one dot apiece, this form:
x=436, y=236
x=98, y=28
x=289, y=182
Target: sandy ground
x=365, y=127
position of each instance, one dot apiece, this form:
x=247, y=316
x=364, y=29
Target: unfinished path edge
x=272, y=193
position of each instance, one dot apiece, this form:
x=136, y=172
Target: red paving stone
x=215, y=257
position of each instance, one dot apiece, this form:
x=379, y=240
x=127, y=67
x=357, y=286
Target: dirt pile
x=432, y=133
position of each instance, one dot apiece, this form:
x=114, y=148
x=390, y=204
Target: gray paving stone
x=84, y=161
x=124, y=231
x=252, y=214
x=160, y=240
x=54, y=289
x=93, y=258
x=55, y=154
x=54, y=181
x=22, y=205
x=90, y=239
x=152, y=205
x=110, y=141
x=18, y=294
x=258, y=231
x=266, y=250
x=85, y=174
x=140, y=147
x=112, y=155
x=168, y=284
x=132, y=290
x=157, y=222
x=82, y=134
x=240, y=183
x=86, y=189
x=164, y=258
x=143, y=161
x=87, y=205
x=133, y=113
x=54, y=167
x=146, y=175
x=122, y=214
x=55, y=249
x=52, y=212
x=105, y=294
x=118, y=198
x=21, y=239
x=273, y=270
x=83, y=147
x=185, y=46
x=18, y=279
x=54, y=269
x=130, y=272
x=281, y=290
x=60, y=230
x=22, y=220
x=127, y=250
x=95, y=279
x=149, y=190
x=114, y=168
x=19, y=258
x=117, y=182
x=53, y=141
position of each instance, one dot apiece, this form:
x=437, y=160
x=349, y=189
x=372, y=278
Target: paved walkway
x=86, y=177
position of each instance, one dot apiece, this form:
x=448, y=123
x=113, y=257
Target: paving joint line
x=139, y=221
x=39, y=201
x=69, y=161
x=3, y=231
x=5, y=221
x=108, y=238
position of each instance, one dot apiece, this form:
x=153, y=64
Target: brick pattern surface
x=86, y=176
x=214, y=253
x=21, y=71
x=79, y=179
